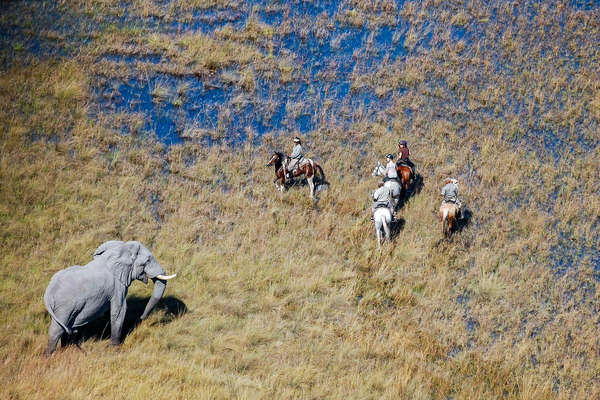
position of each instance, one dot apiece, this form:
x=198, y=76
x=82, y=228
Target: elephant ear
x=141, y=260
x=120, y=260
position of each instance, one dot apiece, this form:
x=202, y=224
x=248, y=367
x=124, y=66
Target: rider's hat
x=402, y=142
x=296, y=139
x=390, y=156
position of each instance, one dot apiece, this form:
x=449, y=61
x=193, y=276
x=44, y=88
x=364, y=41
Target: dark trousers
x=386, y=178
x=407, y=162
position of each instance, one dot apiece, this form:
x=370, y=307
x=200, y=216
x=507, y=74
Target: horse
x=277, y=161
x=307, y=167
x=448, y=214
x=383, y=219
x=405, y=174
x=392, y=185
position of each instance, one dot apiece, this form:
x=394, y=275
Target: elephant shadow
x=99, y=329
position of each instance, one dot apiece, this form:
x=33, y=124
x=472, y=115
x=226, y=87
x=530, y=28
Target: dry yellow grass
x=286, y=299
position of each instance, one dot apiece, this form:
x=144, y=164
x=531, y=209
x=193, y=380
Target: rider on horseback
x=390, y=169
x=295, y=159
x=450, y=193
x=404, y=154
x=382, y=197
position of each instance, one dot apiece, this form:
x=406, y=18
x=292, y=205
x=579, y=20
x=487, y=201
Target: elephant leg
x=55, y=331
x=118, y=309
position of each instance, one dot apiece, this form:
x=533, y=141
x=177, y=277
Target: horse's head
x=376, y=170
x=276, y=157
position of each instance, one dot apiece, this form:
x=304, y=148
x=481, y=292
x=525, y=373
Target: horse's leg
x=378, y=232
x=444, y=221
x=405, y=183
x=310, y=175
x=386, y=227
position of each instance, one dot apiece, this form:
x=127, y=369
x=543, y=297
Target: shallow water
x=329, y=56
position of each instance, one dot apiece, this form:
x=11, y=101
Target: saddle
x=300, y=163
x=405, y=164
x=380, y=205
x=397, y=179
x=456, y=204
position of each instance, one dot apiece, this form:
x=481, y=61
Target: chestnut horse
x=307, y=167
x=405, y=175
x=448, y=214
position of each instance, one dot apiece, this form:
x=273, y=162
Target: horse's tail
x=445, y=212
x=322, y=174
x=385, y=224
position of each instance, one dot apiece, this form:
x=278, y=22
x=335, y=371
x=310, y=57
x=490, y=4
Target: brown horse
x=405, y=174
x=307, y=167
x=448, y=214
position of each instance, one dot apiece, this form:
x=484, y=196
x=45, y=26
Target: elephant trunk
x=159, y=289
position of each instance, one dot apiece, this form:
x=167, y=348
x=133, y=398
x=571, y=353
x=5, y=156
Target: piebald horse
x=307, y=167
x=448, y=214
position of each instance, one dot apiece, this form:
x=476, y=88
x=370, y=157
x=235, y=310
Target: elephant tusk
x=165, y=277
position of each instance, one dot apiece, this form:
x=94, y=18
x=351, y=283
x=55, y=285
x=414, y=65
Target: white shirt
x=390, y=170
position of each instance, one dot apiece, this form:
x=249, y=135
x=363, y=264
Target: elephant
x=79, y=294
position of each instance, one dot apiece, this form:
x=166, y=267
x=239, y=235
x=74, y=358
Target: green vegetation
x=288, y=298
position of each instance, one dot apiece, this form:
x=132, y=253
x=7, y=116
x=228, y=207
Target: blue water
x=295, y=106
x=328, y=55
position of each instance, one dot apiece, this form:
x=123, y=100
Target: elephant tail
x=49, y=306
